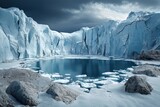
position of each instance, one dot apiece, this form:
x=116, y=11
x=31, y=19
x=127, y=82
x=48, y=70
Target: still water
x=92, y=68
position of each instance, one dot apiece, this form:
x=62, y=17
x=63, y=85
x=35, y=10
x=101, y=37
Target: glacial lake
x=75, y=69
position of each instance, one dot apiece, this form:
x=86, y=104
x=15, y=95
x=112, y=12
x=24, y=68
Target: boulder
x=23, y=93
x=148, y=70
x=5, y=101
x=61, y=93
x=150, y=55
x=14, y=74
x=137, y=84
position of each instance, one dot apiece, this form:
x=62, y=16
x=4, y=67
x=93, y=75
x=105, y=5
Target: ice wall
x=22, y=37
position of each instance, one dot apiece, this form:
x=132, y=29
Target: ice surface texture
x=22, y=37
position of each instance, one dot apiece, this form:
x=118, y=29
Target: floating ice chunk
x=62, y=81
x=103, y=78
x=123, y=75
x=86, y=90
x=115, y=70
x=68, y=77
x=87, y=85
x=130, y=69
x=81, y=76
x=109, y=73
x=67, y=74
x=90, y=80
x=46, y=75
x=102, y=82
x=122, y=71
x=114, y=76
x=56, y=75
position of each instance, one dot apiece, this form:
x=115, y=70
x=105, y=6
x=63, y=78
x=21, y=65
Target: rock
x=61, y=93
x=150, y=55
x=14, y=74
x=137, y=84
x=148, y=70
x=23, y=93
x=5, y=101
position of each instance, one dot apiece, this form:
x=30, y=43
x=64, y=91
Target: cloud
x=101, y=11
x=97, y=11
x=70, y=15
x=94, y=13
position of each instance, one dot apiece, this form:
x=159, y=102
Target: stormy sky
x=71, y=15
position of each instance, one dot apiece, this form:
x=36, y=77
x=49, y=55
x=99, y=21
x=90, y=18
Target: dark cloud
x=51, y=12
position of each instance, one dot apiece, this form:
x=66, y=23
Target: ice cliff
x=22, y=37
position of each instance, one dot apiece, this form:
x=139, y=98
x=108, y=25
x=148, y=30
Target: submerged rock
x=23, y=93
x=61, y=93
x=137, y=84
x=150, y=55
x=5, y=101
x=148, y=70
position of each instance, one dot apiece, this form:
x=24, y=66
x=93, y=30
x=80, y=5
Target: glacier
x=22, y=37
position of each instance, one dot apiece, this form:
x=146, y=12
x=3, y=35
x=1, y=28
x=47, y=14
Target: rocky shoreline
x=23, y=86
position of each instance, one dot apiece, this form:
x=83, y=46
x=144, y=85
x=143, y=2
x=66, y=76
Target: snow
x=46, y=75
x=81, y=76
x=67, y=74
x=113, y=78
x=87, y=85
x=22, y=37
x=109, y=73
x=56, y=75
x=123, y=71
x=11, y=64
x=89, y=80
x=110, y=95
x=123, y=75
x=103, y=82
x=130, y=69
x=62, y=81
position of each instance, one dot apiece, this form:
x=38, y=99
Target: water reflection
x=91, y=67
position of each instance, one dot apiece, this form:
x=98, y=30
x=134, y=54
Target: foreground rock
x=23, y=93
x=137, y=84
x=150, y=55
x=5, y=101
x=148, y=70
x=61, y=93
x=25, y=85
x=14, y=74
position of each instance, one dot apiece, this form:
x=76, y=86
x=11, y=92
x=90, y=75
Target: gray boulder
x=23, y=93
x=148, y=70
x=137, y=84
x=150, y=55
x=5, y=101
x=26, y=75
x=61, y=93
